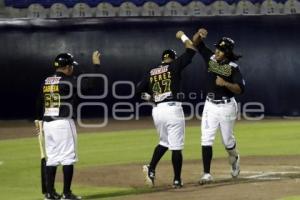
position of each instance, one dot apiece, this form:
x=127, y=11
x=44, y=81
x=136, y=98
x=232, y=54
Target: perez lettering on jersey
x=52, y=80
x=160, y=77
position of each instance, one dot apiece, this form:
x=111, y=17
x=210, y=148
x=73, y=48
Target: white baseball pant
x=215, y=116
x=60, y=142
x=169, y=121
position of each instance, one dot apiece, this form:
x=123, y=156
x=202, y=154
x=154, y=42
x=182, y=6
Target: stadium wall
x=269, y=45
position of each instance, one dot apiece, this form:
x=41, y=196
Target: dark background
x=269, y=45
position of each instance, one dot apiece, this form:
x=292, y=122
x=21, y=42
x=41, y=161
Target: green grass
x=19, y=173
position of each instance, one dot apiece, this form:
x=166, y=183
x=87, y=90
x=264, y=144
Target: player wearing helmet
x=224, y=81
x=161, y=85
x=57, y=110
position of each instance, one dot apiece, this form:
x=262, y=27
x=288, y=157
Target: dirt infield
x=261, y=178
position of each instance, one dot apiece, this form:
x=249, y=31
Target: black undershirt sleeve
x=185, y=59
x=88, y=82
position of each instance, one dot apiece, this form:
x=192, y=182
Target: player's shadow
x=146, y=190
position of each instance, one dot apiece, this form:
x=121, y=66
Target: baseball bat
x=39, y=124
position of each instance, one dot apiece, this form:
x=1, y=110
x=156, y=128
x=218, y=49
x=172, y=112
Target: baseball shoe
x=52, y=196
x=235, y=167
x=70, y=196
x=177, y=184
x=206, y=179
x=149, y=176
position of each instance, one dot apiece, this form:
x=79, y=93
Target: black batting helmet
x=63, y=60
x=226, y=45
x=169, y=53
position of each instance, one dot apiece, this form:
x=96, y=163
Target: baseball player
x=56, y=109
x=224, y=81
x=161, y=85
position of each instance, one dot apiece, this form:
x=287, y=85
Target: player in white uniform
x=224, y=81
x=162, y=85
x=57, y=108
